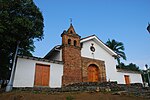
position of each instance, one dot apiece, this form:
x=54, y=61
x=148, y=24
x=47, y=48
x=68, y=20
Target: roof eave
x=56, y=48
x=96, y=39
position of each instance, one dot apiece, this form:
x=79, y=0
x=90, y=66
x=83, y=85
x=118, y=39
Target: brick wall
x=72, y=65
x=75, y=66
x=71, y=55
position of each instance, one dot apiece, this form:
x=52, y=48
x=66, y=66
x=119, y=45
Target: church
x=76, y=60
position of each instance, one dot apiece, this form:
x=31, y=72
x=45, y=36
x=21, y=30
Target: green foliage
x=130, y=67
x=118, y=48
x=20, y=21
x=145, y=76
x=69, y=97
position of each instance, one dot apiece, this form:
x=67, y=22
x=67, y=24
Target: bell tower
x=71, y=56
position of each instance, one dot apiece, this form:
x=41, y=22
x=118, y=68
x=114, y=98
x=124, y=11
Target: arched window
x=69, y=41
x=75, y=43
x=71, y=32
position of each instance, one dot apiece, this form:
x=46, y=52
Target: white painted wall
x=56, y=73
x=57, y=55
x=110, y=63
x=134, y=77
x=25, y=73
x=60, y=55
x=101, y=54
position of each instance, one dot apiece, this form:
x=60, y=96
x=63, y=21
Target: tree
x=118, y=48
x=130, y=67
x=20, y=22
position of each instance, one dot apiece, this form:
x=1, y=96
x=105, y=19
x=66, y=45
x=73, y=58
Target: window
x=71, y=32
x=75, y=43
x=69, y=41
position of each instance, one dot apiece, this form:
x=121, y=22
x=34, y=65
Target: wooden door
x=127, y=79
x=42, y=73
x=93, y=73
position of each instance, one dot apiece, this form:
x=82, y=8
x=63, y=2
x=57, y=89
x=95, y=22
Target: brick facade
x=71, y=55
x=75, y=66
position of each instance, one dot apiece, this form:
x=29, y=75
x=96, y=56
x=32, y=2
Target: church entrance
x=42, y=73
x=93, y=72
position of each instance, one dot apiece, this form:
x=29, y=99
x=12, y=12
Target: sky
x=122, y=20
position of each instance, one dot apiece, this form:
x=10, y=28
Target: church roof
x=127, y=71
x=71, y=30
x=99, y=42
x=52, y=51
x=57, y=48
x=40, y=59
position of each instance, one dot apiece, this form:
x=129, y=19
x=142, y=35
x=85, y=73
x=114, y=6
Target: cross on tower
x=70, y=20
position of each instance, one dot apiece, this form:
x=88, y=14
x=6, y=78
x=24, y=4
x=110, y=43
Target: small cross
x=70, y=20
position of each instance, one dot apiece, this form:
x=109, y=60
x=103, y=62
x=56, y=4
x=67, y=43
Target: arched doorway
x=93, y=72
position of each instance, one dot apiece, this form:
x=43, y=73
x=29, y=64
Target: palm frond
x=117, y=47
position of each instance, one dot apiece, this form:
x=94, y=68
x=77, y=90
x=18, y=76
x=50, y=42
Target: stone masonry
x=86, y=62
x=71, y=55
x=75, y=66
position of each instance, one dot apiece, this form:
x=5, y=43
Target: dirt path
x=65, y=96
